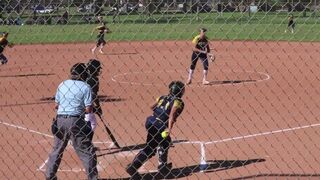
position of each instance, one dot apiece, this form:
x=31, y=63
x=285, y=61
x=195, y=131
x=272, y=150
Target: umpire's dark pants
x=78, y=131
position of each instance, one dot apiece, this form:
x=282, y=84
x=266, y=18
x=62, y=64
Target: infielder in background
x=159, y=127
x=3, y=43
x=102, y=29
x=74, y=112
x=291, y=24
x=201, y=50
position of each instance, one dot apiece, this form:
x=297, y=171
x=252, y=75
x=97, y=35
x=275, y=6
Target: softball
x=164, y=134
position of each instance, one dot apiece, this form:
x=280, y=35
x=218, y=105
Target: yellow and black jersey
x=3, y=43
x=290, y=18
x=101, y=29
x=201, y=43
x=165, y=105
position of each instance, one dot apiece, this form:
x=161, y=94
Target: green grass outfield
x=229, y=26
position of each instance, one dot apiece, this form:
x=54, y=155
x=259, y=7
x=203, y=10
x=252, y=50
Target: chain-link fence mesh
x=240, y=96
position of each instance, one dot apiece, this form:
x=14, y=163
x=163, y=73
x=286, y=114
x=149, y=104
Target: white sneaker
x=205, y=82
x=188, y=82
x=101, y=52
x=92, y=51
x=3, y=62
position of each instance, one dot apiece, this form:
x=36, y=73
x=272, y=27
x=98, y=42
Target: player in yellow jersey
x=291, y=24
x=3, y=43
x=201, y=50
x=102, y=29
x=166, y=110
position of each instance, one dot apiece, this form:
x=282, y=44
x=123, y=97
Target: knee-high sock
x=190, y=74
x=205, y=74
x=163, y=155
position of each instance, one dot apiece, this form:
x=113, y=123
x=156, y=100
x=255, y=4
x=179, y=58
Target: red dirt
x=282, y=91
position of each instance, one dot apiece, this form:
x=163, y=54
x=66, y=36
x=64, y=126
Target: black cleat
x=133, y=173
x=164, y=169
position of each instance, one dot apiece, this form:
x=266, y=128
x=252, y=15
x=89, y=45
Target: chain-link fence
x=18, y=12
x=159, y=89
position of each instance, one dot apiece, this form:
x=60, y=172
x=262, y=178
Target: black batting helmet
x=93, y=67
x=5, y=33
x=176, y=88
x=79, y=71
x=203, y=29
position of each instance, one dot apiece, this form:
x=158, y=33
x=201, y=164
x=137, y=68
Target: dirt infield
x=259, y=118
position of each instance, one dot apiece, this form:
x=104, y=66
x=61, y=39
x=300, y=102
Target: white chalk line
x=250, y=135
x=202, y=143
x=41, y=167
x=202, y=156
x=263, y=133
x=44, y=134
x=113, y=78
x=25, y=129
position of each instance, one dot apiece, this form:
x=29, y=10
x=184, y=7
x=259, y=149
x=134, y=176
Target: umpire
x=74, y=114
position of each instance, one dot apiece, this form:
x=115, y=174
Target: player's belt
x=158, y=119
x=65, y=116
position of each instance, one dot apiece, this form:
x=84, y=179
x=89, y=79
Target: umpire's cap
x=176, y=88
x=79, y=71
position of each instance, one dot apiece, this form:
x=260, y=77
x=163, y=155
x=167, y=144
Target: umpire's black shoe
x=133, y=172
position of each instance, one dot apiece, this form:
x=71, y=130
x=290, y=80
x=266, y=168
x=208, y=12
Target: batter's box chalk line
x=100, y=166
x=42, y=166
x=204, y=164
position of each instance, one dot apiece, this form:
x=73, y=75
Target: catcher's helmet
x=79, y=71
x=93, y=67
x=176, y=88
